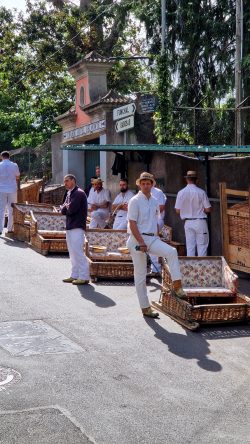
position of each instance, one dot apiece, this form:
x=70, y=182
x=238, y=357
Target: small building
x=91, y=121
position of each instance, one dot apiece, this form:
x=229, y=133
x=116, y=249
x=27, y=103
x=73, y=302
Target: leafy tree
x=38, y=49
x=201, y=48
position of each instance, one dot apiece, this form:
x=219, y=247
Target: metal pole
x=238, y=73
x=163, y=26
x=208, y=191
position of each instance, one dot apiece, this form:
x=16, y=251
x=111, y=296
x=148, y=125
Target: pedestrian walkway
x=81, y=365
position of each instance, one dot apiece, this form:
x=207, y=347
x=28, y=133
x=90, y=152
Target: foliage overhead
x=37, y=49
x=197, y=70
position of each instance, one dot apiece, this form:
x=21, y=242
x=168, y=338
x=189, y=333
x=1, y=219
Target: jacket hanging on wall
x=119, y=165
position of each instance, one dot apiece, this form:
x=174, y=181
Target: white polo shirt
x=144, y=212
x=9, y=171
x=191, y=202
x=97, y=198
x=160, y=197
x=123, y=198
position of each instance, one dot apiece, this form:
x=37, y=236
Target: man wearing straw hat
x=143, y=213
x=99, y=203
x=192, y=205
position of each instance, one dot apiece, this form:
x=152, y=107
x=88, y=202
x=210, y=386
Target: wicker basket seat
x=212, y=274
x=30, y=191
x=166, y=235
x=47, y=232
x=21, y=218
x=110, y=264
x=235, y=227
x=212, y=293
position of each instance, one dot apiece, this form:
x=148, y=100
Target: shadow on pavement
x=189, y=346
x=88, y=292
x=225, y=332
x=113, y=283
x=244, y=283
x=14, y=243
x=154, y=286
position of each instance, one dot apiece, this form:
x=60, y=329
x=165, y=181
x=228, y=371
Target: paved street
x=81, y=365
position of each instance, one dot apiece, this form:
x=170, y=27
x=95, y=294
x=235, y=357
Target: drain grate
x=25, y=338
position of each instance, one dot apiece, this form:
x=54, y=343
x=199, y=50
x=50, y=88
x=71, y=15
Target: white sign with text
x=124, y=111
x=125, y=124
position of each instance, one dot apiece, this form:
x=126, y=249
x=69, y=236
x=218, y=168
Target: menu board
x=147, y=103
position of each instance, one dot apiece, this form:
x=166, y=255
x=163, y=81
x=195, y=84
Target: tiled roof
x=112, y=97
x=94, y=56
x=70, y=113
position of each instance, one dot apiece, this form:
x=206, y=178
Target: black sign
x=147, y=103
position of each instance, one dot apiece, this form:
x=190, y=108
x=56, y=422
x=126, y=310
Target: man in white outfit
x=99, y=204
x=120, y=206
x=143, y=213
x=9, y=183
x=161, y=199
x=192, y=204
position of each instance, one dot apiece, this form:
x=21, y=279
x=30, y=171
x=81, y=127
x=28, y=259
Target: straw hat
x=191, y=175
x=145, y=176
x=98, y=180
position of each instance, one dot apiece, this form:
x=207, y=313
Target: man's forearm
x=207, y=210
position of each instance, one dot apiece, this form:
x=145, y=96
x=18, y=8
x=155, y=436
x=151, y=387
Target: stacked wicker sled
x=212, y=294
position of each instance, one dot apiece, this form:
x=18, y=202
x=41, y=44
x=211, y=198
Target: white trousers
x=197, y=237
x=155, y=265
x=80, y=265
x=158, y=248
x=99, y=218
x=6, y=199
x=120, y=223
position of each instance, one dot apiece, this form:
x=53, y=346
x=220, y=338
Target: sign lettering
x=85, y=130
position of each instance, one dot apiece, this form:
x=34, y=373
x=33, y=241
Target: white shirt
x=97, y=198
x=144, y=212
x=191, y=202
x=161, y=199
x=123, y=198
x=91, y=191
x=9, y=171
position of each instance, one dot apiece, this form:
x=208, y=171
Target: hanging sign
x=124, y=111
x=125, y=124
